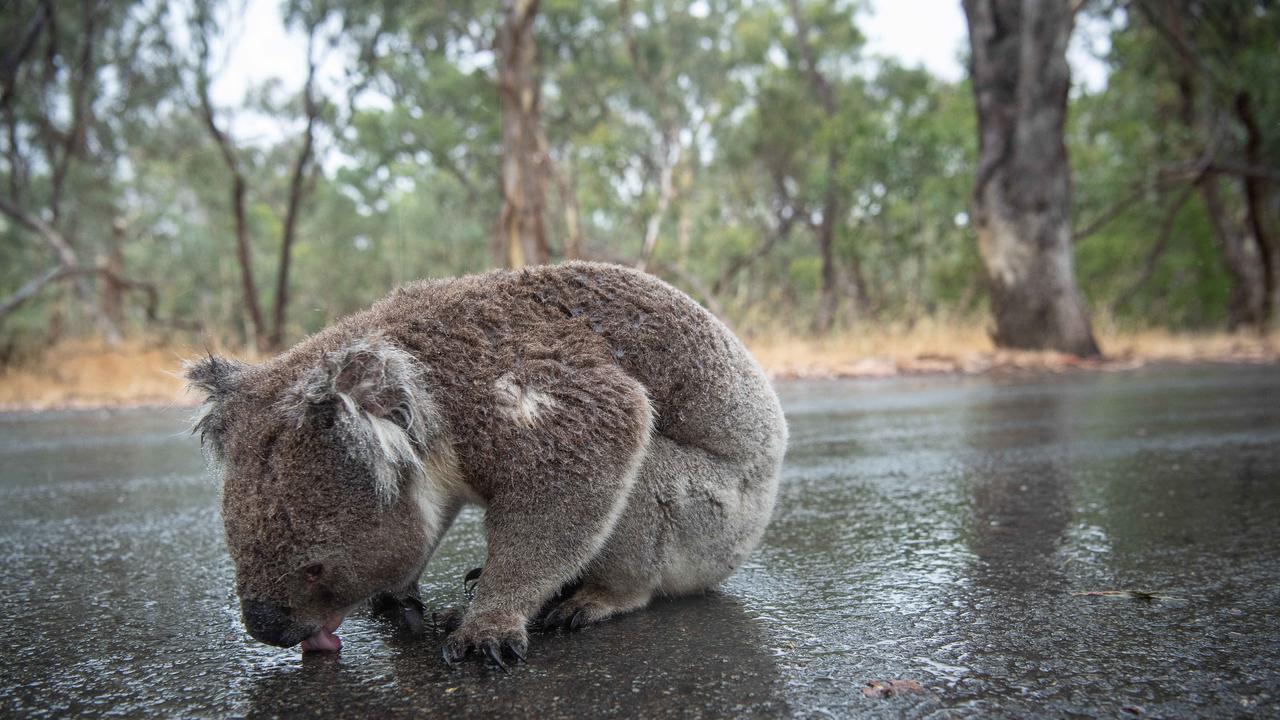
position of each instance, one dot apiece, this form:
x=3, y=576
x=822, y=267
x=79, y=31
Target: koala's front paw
x=497, y=640
x=403, y=610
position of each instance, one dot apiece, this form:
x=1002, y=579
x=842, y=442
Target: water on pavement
x=941, y=530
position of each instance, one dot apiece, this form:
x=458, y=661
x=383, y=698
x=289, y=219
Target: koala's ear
x=371, y=375
x=214, y=375
x=218, y=378
x=376, y=390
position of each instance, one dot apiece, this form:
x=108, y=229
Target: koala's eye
x=313, y=572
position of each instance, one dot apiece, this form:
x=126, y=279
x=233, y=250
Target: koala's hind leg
x=556, y=502
x=693, y=517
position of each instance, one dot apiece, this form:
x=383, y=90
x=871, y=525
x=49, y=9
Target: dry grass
x=1161, y=345
x=876, y=351
x=82, y=374
x=88, y=374
x=964, y=347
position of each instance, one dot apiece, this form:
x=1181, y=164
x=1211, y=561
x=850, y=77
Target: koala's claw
x=567, y=619
x=406, y=611
x=496, y=650
x=470, y=580
x=412, y=612
x=493, y=653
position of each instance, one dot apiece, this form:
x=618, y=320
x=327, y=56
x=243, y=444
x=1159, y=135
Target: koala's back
x=547, y=327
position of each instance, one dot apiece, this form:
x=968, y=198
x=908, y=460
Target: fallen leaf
x=878, y=689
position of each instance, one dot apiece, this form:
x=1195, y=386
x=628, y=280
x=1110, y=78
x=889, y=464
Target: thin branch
x=786, y=220
x=28, y=289
x=819, y=82
x=1124, y=204
x=1168, y=176
x=59, y=273
x=671, y=153
x=12, y=60
x=47, y=232
x=1257, y=172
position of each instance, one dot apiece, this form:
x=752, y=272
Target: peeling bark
x=1022, y=196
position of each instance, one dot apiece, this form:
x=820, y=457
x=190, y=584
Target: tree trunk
x=569, y=200
x=1255, y=193
x=1021, y=203
x=830, y=298
x=1244, y=303
x=244, y=256
x=297, y=190
x=112, y=288
x=826, y=317
x=521, y=233
x=666, y=192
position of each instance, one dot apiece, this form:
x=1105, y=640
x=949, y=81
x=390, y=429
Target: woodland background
x=748, y=152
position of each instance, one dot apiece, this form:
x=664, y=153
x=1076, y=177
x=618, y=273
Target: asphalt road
x=953, y=532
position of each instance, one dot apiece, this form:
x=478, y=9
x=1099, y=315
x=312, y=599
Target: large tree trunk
x=521, y=231
x=1022, y=197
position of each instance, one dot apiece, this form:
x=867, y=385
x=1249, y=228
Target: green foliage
x=715, y=92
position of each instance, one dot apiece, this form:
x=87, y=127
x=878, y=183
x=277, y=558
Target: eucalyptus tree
x=1221, y=58
x=1022, y=192
x=79, y=84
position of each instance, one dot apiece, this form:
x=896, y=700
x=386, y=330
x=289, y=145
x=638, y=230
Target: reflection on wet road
x=934, y=529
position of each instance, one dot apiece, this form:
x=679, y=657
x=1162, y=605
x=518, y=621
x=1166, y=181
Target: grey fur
x=618, y=435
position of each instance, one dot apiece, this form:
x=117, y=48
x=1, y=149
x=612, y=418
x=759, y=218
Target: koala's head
x=327, y=498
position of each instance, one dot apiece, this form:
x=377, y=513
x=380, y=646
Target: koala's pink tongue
x=324, y=639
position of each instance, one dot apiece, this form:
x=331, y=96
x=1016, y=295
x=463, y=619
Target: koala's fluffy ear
x=218, y=378
x=214, y=375
x=376, y=389
x=371, y=375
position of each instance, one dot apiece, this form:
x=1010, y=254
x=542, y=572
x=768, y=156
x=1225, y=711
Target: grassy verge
x=939, y=347
x=89, y=375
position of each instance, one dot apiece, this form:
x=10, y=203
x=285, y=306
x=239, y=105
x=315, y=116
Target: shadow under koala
x=688, y=657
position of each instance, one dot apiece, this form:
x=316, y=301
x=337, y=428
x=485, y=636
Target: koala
x=623, y=444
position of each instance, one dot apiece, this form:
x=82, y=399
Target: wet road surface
x=939, y=530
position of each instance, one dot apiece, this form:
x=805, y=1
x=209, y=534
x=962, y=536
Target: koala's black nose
x=269, y=623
